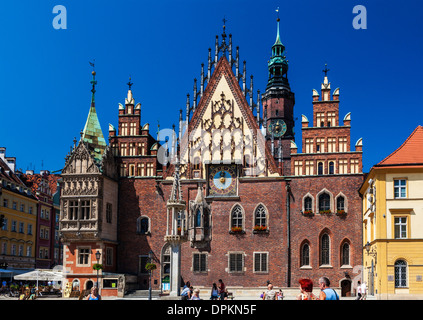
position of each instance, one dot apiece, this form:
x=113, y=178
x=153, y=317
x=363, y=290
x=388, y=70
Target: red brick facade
x=336, y=255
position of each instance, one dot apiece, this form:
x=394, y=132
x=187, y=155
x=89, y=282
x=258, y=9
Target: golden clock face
x=277, y=128
x=222, y=180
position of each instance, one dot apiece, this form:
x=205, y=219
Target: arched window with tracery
x=325, y=249
x=260, y=216
x=237, y=218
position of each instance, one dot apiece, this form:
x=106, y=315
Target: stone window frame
x=340, y=194
x=313, y=202
x=242, y=216
x=331, y=204
x=139, y=219
x=266, y=217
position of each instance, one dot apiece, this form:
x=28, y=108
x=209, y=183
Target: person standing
x=306, y=288
x=221, y=289
x=214, y=292
x=196, y=295
x=270, y=294
x=327, y=293
x=94, y=294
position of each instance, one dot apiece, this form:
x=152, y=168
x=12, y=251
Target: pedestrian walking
x=306, y=289
x=186, y=293
x=363, y=291
x=214, y=295
x=326, y=292
x=270, y=294
x=359, y=295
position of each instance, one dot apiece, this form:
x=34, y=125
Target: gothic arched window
x=237, y=217
x=305, y=255
x=345, y=254
x=324, y=202
x=308, y=204
x=324, y=249
x=260, y=218
x=340, y=203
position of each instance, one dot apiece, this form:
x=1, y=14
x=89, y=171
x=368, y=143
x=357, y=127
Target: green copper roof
x=93, y=134
x=278, y=39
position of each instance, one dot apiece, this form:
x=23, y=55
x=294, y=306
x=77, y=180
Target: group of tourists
x=306, y=291
x=218, y=292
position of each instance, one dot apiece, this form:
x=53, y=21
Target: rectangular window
x=331, y=119
x=320, y=145
x=73, y=210
x=84, y=254
x=132, y=149
x=320, y=119
x=14, y=225
x=343, y=166
x=199, y=262
x=331, y=144
x=21, y=227
x=354, y=166
x=5, y=203
x=22, y=207
x=150, y=169
x=133, y=129
x=400, y=227
x=309, y=167
x=343, y=144
x=29, y=229
x=85, y=209
x=236, y=262
x=109, y=213
x=308, y=145
x=109, y=256
x=124, y=129
x=123, y=151
x=261, y=261
x=400, y=188
x=298, y=168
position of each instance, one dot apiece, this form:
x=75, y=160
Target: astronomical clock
x=277, y=127
x=222, y=180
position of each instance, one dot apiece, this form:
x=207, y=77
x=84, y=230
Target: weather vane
x=325, y=70
x=129, y=83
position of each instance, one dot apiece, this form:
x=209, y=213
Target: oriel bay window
x=79, y=210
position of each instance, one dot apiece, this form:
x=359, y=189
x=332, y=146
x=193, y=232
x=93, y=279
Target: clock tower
x=278, y=107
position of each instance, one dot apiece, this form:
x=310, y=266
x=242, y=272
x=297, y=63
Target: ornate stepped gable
x=223, y=129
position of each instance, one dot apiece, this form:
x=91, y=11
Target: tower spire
x=278, y=65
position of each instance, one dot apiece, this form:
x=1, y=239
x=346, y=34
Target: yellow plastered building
x=393, y=223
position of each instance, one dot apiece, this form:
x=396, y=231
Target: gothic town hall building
x=227, y=196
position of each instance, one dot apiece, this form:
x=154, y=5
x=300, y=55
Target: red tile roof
x=410, y=152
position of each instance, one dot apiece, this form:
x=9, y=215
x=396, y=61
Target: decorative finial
x=129, y=83
x=277, y=10
x=325, y=70
x=93, y=81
